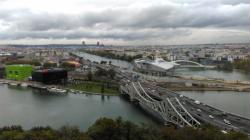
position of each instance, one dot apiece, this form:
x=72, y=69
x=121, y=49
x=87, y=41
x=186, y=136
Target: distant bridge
x=188, y=61
x=169, y=109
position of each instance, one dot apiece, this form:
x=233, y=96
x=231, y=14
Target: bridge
x=168, y=110
x=191, y=64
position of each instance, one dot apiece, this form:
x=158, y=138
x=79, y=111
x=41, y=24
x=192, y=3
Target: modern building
x=157, y=67
x=50, y=76
x=2, y=71
x=18, y=72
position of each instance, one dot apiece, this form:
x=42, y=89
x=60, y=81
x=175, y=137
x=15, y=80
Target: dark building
x=2, y=72
x=50, y=76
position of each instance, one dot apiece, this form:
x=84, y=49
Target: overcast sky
x=132, y=22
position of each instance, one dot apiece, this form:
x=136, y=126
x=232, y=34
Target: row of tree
x=238, y=64
x=115, y=56
x=65, y=65
x=242, y=64
x=118, y=129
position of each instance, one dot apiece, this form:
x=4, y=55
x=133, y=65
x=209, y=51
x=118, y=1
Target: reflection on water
x=29, y=108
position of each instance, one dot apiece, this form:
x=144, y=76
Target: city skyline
x=143, y=22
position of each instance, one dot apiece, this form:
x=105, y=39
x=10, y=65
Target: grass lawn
x=95, y=87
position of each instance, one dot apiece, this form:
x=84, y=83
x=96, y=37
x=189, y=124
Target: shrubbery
x=114, y=56
x=118, y=129
x=242, y=64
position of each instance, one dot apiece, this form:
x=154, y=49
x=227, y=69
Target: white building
x=157, y=67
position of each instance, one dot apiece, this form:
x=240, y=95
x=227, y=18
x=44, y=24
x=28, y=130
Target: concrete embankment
x=207, y=89
x=184, y=86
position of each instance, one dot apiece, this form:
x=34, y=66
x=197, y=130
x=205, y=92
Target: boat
x=13, y=84
x=24, y=85
x=56, y=90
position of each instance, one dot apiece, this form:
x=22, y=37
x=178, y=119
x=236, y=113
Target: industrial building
x=18, y=72
x=50, y=76
x=157, y=67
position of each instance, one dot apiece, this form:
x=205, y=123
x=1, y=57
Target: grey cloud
x=111, y=34
x=164, y=21
x=235, y=2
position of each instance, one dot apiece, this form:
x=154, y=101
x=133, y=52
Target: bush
x=118, y=129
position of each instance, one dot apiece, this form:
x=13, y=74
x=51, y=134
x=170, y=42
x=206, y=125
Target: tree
x=49, y=65
x=228, y=66
x=111, y=73
x=102, y=88
x=68, y=66
x=90, y=76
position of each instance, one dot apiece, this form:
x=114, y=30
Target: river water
x=29, y=108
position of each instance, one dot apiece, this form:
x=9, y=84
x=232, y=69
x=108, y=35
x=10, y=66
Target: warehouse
x=50, y=76
x=18, y=72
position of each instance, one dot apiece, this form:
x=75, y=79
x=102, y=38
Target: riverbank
x=199, y=89
x=83, y=88
x=94, y=88
x=181, y=86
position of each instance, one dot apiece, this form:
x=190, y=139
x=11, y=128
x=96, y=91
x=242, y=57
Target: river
x=29, y=108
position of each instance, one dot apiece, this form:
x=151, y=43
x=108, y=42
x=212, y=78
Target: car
x=198, y=110
x=210, y=116
x=224, y=132
x=211, y=109
x=224, y=114
x=227, y=121
x=181, y=95
x=197, y=102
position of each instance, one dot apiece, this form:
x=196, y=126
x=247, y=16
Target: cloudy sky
x=132, y=22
